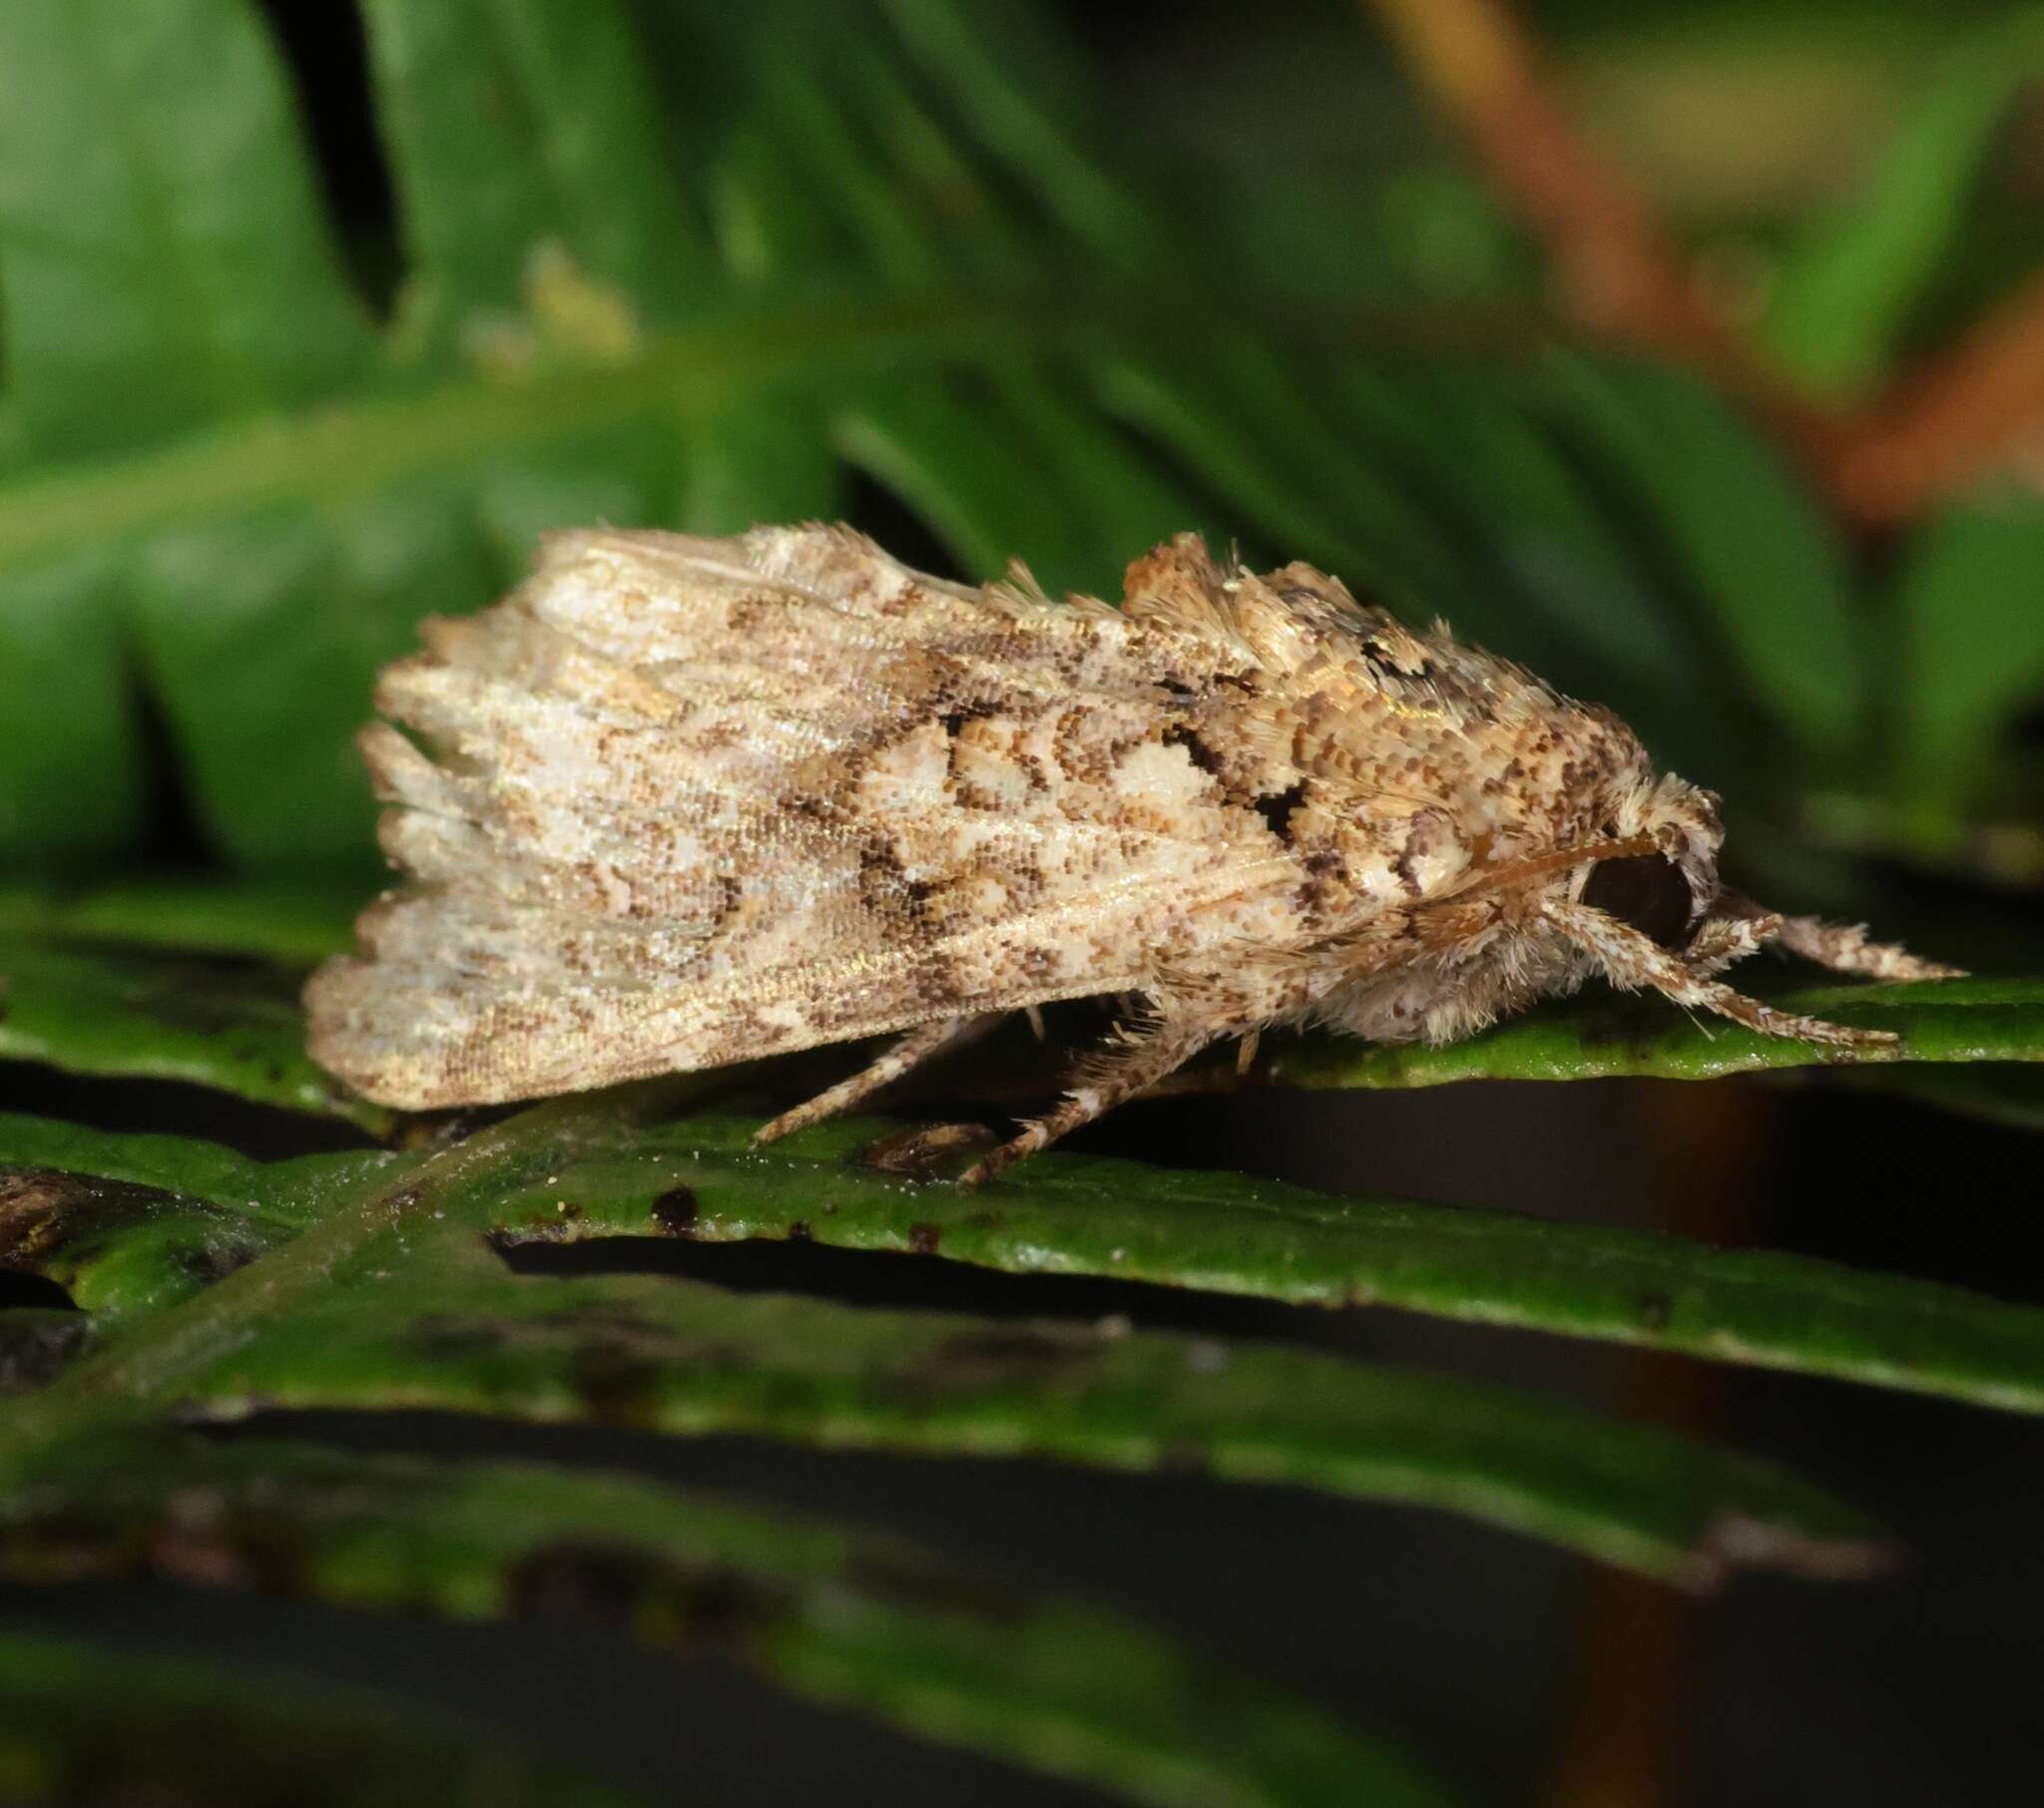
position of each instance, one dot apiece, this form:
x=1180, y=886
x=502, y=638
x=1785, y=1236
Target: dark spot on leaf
x=214, y=1260
x=616, y=1377
x=799, y=1233
x=603, y=1583
x=928, y=1153
x=924, y=1238
x=33, y=1349
x=217, y=1544
x=1180, y=1457
x=617, y=1585
x=46, y=1211
x=674, y=1213
x=1654, y=1311
x=998, y=1356
x=932, y=1588
x=1275, y=809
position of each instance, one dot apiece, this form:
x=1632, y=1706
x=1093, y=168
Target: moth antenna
x=1634, y=962
x=1844, y=947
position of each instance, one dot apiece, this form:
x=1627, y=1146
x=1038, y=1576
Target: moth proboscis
x=678, y=802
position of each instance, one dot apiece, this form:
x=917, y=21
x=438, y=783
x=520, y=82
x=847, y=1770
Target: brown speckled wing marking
x=678, y=802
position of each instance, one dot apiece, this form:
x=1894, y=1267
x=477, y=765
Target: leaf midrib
x=340, y=450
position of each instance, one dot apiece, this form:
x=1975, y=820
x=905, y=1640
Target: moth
x=678, y=802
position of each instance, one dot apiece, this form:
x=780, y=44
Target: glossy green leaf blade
x=393, y=1298
x=1229, y=1233
x=133, y=1015
x=163, y=260
x=1599, y=1038
x=133, y=1224
x=852, y=1620
x=84, y=1721
x=688, y=1359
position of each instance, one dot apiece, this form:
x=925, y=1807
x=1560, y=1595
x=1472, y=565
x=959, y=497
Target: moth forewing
x=680, y=802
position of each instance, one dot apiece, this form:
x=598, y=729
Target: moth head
x=1666, y=881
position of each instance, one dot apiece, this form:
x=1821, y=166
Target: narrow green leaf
x=1745, y=538
x=1839, y=302
x=852, y=1622
x=1008, y=76
x=84, y=1721
x=134, y=1223
x=163, y=260
x=69, y=750
x=265, y=635
x=699, y=1177
x=1603, y=1038
x=687, y=1359
x=393, y=1298
x=766, y=458
x=1971, y=659
x=936, y=443
x=1244, y=423
x=233, y=1028
x=513, y=124
x=279, y=917
x=1506, y=487
x=1229, y=1233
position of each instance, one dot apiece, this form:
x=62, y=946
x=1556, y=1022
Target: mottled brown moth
x=678, y=802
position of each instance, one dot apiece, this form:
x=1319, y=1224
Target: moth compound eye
x=1645, y=893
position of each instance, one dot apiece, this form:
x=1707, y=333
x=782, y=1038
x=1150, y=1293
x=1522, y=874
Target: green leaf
x=231, y=1027
x=1748, y=543
x=1839, y=302
x=445, y=1325
x=923, y=266
x=282, y=918
x=515, y=124
x=852, y=1622
x=91, y=1722
x=1226, y=1233
x=1972, y=643
x=669, y=1356
x=133, y=1224
x=1961, y=1020
x=126, y=1222
x=163, y=261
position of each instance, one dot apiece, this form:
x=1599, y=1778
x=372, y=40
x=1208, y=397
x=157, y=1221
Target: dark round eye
x=1645, y=891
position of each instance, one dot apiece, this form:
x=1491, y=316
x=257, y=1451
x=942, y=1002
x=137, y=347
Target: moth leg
x=1846, y=947
x=1128, y=1066
x=910, y=1051
x=1633, y=961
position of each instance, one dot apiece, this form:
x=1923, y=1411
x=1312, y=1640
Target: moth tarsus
x=678, y=802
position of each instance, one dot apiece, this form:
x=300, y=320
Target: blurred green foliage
x=919, y=263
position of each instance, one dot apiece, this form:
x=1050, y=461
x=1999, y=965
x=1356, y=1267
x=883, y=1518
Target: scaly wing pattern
x=678, y=802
